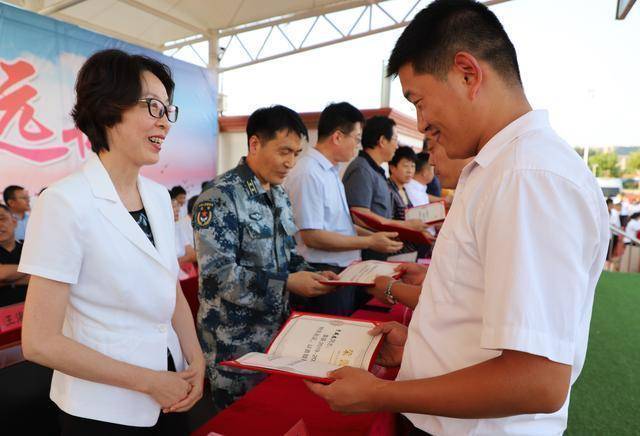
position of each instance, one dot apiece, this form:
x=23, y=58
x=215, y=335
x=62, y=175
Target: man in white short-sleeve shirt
x=500, y=331
x=328, y=239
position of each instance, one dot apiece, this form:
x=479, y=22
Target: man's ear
x=467, y=70
x=336, y=136
x=254, y=144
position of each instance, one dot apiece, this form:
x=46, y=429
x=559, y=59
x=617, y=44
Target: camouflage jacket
x=245, y=243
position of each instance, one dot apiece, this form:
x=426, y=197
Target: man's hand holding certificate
x=410, y=230
x=364, y=273
x=312, y=345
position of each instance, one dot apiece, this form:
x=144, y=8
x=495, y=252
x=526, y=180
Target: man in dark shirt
x=365, y=182
x=13, y=284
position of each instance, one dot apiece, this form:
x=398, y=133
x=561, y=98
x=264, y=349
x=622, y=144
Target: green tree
x=633, y=162
x=605, y=164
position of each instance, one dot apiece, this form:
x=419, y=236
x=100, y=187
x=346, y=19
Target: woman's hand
x=194, y=375
x=167, y=388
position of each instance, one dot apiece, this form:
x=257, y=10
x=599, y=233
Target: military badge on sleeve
x=203, y=215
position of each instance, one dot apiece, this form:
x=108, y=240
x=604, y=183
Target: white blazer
x=123, y=289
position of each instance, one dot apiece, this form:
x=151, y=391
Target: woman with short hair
x=104, y=308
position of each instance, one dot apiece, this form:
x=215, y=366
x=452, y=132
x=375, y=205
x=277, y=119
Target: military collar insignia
x=251, y=186
x=203, y=215
x=249, y=180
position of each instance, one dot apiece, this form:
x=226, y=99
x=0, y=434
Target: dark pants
x=404, y=427
x=341, y=302
x=169, y=424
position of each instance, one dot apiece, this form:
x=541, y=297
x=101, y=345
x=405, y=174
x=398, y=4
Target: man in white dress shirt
x=500, y=331
x=327, y=238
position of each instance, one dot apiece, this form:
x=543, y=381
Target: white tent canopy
x=152, y=23
x=168, y=25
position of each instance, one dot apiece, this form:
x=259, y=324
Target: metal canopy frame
x=223, y=41
x=624, y=6
x=279, y=27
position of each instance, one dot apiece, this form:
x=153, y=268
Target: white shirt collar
x=325, y=163
x=533, y=120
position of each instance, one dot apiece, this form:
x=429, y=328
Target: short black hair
x=191, y=203
x=9, y=193
x=109, y=83
x=176, y=190
x=609, y=202
x=422, y=159
x=403, y=152
x=338, y=116
x=446, y=27
x=266, y=122
x=374, y=128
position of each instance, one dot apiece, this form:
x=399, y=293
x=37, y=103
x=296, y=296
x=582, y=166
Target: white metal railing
x=620, y=232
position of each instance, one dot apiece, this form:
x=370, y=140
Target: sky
x=576, y=61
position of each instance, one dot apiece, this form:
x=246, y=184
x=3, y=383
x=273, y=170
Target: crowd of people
x=500, y=317
x=624, y=216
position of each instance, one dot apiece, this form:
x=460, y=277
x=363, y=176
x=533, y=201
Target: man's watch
x=387, y=293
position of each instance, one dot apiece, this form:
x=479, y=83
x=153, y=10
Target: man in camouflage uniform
x=244, y=234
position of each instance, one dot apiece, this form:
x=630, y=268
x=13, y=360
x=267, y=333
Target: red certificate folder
x=404, y=234
x=309, y=345
x=364, y=272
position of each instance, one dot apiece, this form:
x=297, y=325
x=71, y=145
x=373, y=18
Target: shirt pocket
x=257, y=245
x=444, y=269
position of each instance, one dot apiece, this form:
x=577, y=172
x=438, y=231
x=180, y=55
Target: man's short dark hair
x=338, y=116
x=403, y=152
x=422, y=159
x=109, y=83
x=609, y=202
x=374, y=128
x=266, y=122
x=9, y=193
x=176, y=190
x=446, y=27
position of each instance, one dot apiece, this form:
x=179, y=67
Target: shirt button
x=162, y=328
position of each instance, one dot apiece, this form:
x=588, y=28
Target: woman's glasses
x=158, y=109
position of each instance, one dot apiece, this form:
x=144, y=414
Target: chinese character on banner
x=81, y=140
x=15, y=104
